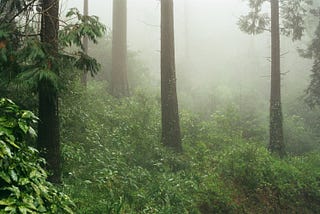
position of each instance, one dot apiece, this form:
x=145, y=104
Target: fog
x=209, y=137
x=212, y=54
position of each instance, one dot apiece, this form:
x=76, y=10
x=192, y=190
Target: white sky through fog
x=210, y=20
x=219, y=50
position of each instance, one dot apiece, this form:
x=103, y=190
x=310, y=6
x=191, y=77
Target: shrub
x=114, y=162
x=273, y=183
x=299, y=138
x=23, y=185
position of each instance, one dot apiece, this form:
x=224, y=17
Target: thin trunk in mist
x=119, y=79
x=185, y=66
x=276, y=144
x=186, y=30
x=171, y=136
x=84, y=77
x=48, y=128
x=292, y=27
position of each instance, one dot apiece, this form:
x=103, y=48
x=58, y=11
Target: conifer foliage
x=35, y=57
x=313, y=51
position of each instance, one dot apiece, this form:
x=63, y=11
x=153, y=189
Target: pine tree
x=276, y=143
x=292, y=13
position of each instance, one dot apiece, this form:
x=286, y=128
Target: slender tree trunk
x=276, y=130
x=119, y=79
x=84, y=77
x=48, y=128
x=171, y=136
x=186, y=30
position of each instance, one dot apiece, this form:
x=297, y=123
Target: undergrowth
x=23, y=185
x=114, y=161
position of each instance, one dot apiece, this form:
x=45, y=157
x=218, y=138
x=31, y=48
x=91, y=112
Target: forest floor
x=114, y=162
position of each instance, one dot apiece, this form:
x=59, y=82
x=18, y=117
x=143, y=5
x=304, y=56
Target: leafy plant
x=275, y=184
x=23, y=185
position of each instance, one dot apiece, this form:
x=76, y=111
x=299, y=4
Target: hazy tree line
x=292, y=15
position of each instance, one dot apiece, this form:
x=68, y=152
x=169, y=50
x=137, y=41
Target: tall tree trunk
x=169, y=104
x=119, y=79
x=84, y=77
x=48, y=128
x=186, y=31
x=276, y=130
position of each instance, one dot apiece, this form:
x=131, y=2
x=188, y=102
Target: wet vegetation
x=110, y=149
x=114, y=161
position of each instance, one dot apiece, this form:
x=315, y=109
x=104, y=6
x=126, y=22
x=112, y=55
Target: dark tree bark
x=119, y=77
x=84, y=78
x=171, y=136
x=276, y=144
x=48, y=128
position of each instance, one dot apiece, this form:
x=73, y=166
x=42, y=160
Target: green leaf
x=7, y=202
x=42, y=209
x=23, y=126
x=88, y=182
x=28, y=115
x=5, y=150
x=34, y=174
x=24, y=210
x=9, y=140
x=32, y=132
x=5, y=177
x=68, y=210
x=12, y=209
x=30, y=205
x=24, y=181
x=6, y=131
x=13, y=175
x=35, y=188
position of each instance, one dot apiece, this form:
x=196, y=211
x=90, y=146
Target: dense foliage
x=25, y=60
x=37, y=52
x=114, y=161
x=23, y=185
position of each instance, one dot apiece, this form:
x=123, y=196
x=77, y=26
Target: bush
x=274, y=184
x=23, y=185
x=299, y=138
x=114, y=161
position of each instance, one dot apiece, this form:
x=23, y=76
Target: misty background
x=213, y=57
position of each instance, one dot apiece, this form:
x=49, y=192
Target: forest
x=159, y=106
